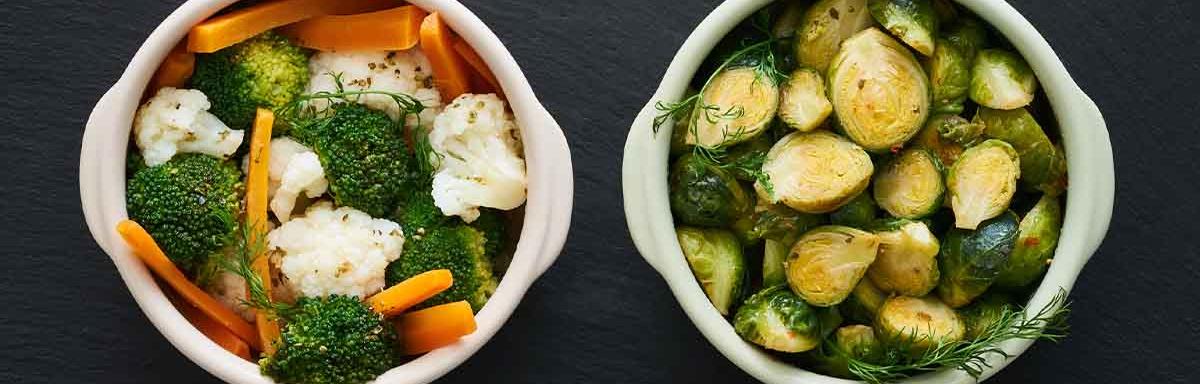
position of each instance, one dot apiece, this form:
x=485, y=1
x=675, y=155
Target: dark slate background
x=600, y=314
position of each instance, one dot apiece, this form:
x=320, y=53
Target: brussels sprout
x=790, y=16
x=968, y=34
x=745, y=160
x=958, y=130
x=858, y=213
x=907, y=260
x=863, y=303
x=913, y=21
x=856, y=342
x=982, y=182
x=931, y=140
x=716, y=259
x=741, y=101
x=924, y=322
x=1041, y=167
x=778, y=222
x=815, y=172
x=879, y=92
x=825, y=25
x=971, y=260
x=949, y=71
x=679, y=131
x=911, y=185
x=777, y=319
x=704, y=194
x=803, y=104
x=774, y=254
x=984, y=312
x=827, y=262
x=945, y=10
x=1001, y=80
x=1037, y=237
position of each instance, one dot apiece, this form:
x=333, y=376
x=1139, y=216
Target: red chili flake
x=896, y=149
x=1032, y=241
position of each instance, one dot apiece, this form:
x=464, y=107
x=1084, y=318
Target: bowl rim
x=644, y=186
x=548, y=207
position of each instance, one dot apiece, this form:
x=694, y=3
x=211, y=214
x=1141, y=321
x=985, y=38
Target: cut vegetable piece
x=256, y=217
x=949, y=70
x=825, y=25
x=827, y=263
x=858, y=213
x=1041, y=168
x=912, y=21
x=174, y=71
x=878, y=90
x=241, y=24
x=742, y=101
x=984, y=312
x=715, y=257
x=774, y=254
x=907, y=260
x=982, y=182
x=911, y=185
x=479, y=66
x=705, y=194
x=435, y=327
x=815, y=172
x=410, y=292
x=1002, y=80
x=958, y=130
x=393, y=29
x=851, y=342
x=214, y=330
x=924, y=322
x=930, y=139
x=449, y=69
x=971, y=260
x=863, y=303
x=1037, y=238
x=777, y=319
x=803, y=104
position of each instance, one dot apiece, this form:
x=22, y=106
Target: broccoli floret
x=264, y=71
x=332, y=340
x=458, y=248
x=189, y=205
x=417, y=212
x=491, y=223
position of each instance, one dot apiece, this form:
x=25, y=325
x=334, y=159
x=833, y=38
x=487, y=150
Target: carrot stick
x=411, y=292
x=388, y=30
x=480, y=68
x=144, y=247
x=241, y=24
x=256, y=216
x=449, y=70
x=174, y=71
x=214, y=330
x=435, y=327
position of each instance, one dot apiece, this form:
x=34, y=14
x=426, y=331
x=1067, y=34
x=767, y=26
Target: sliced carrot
x=449, y=69
x=256, y=215
x=435, y=327
x=174, y=71
x=411, y=292
x=214, y=330
x=490, y=83
x=241, y=24
x=388, y=30
x=146, y=249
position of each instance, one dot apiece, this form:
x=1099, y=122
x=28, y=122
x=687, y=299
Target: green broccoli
x=264, y=71
x=417, y=212
x=458, y=248
x=189, y=205
x=491, y=222
x=332, y=340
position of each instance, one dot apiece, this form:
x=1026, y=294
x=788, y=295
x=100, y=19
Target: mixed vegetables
x=325, y=185
x=864, y=188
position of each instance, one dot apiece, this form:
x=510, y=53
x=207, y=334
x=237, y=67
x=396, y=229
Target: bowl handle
x=97, y=139
x=560, y=175
x=1102, y=183
x=637, y=188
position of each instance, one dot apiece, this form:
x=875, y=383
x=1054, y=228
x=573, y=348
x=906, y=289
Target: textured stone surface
x=600, y=314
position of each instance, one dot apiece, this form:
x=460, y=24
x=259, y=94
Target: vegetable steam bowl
x=547, y=210
x=652, y=225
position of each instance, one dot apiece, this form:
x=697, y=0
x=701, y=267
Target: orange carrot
x=146, y=249
x=214, y=330
x=174, y=71
x=449, y=70
x=435, y=327
x=388, y=30
x=411, y=292
x=256, y=216
x=241, y=24
x=490, y=84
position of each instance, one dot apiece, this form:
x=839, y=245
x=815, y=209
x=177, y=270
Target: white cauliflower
x=335, y=251
x=480, y=163
x=293, y=169
x=407, y=72
x=177, y=120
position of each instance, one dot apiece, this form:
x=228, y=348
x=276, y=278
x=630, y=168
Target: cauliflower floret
x=481, y=164
x=406, y=72
x=335, y=251
x=177, y=120
x=293, y=169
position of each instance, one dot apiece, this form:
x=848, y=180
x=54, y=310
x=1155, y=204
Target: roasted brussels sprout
x=971, y=260
x=863, y=303
x=959, y=130
x=856, y=342
x=879, y=92
x=742, y=102
x=907, y=260
x=745, y=160
x=802, y=104
x=949, y=71
x=703, y=194
x=858, y=213
x=1001, y=80
x=825, y=26
x=774, y=254
x=984, y=312
x=1037, y=237
x=924, y=322
x=911, y=185
x=815, y=172
x=778, y=222
x=931, y=140
x=968, y=34
x=1041, y=165
x=717, y=261
x=777, y=319
x=982, y=182
x=791, y=13
x=827, y=262
x=912, y=21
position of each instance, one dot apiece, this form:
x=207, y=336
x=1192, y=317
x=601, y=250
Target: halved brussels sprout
x=803, y=104
x=774, y=255
x=968, y=34
x=858, y=213
x=911, y=185
x=959, y=130
x=703, y=194
x=778, y=222
x=863, y=303
x=931, y=140
x=777, y=319
x=982, y=182
x=913, y=21
x=971, y=260
x=949, y=71
x=825, y=25
x=827, y=262
x=744, y=160
x=741, y=101
x=815, y=172
x=1001, y=80
x=1040, y=165
x=924, y=322
x=856, y=342
x=984, y=312
x=878, y=90
x=717, y=262
x=1037, y=238
x=907, y=259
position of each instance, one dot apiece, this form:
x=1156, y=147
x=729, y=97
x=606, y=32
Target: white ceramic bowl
x=547, y=212
x=1089, y=200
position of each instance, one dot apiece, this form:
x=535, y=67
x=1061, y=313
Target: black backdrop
x=600, y=314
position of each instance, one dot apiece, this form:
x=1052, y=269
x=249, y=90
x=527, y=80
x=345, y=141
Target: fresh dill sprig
x=249, y=245
x=895, y=361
